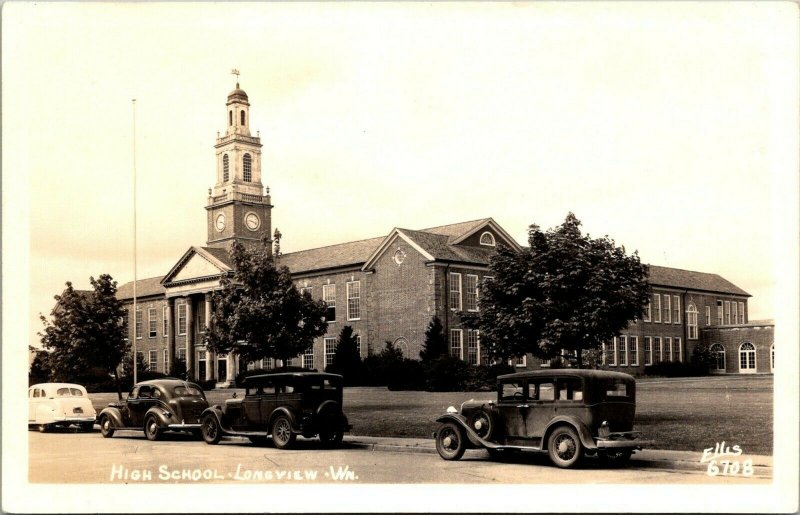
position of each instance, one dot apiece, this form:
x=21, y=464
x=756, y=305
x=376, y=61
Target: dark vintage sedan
x=281, y=405
x=154, y=407
x=567, y=413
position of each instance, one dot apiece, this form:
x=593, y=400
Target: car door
x=251, y=405
x=512, y=405
x=139, y=401
x=269, y=401
x=541, y=400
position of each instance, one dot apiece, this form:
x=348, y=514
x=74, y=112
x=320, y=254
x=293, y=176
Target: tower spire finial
x=236, y=72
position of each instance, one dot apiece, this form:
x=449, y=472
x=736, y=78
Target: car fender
x=215, y=411
x=45, y=413
x=472, y=436
x=114, y=414
x=583, y=432
x=158, y=412
x=284, y=411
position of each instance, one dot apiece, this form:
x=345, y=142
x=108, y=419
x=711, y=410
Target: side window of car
x=75, y=392
x=511, y=391
x=156, y=393
x=546, y=392
x=134, y=393
x=570, y=390
x=269, y=387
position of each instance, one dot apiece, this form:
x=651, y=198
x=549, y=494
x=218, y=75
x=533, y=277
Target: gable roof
x=687, y=279
x=144, y=288
x=216, y=259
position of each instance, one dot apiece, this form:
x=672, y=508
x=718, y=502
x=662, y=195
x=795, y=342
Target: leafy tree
x=259, y=313
x=127, y=365
x=86, y=331
x=567, y=291
x=435, y=344
x=347, y=361
x=40, y=371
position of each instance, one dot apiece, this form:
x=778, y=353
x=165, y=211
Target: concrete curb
x=647, y=458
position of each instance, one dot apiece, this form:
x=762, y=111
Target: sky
x=672, y=127
x=658, y=125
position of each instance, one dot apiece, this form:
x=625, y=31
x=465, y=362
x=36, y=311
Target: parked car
x=154, y=407
x=281, y=405
x=59, y=404
x=566, y=413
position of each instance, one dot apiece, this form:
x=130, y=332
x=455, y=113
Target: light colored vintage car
x=59, y=404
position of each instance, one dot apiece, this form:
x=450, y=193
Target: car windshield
x=187, y=391
x=69, y=392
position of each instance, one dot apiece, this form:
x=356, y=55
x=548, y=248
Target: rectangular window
x=708, y=315
x=734, y=312
x=125, y=323
x=657, y=349
x=354, y=300
x=623, y=351
x=668, y=348
x=647, y=312
x=603, y=353
x=544, y=363
x=181, y=318
x=330, y=350
x=166, y=362
x=308, y=357
x=151, y=323
x=153, y=360
x=521, y=362
x=471, y=292
x=676, y=309
x=473, y=350
x=182, y=354
x=138, y=323
x=309, y=289
x=677, y=349
x=648, y=350
x=656, y=308
x=727, y=312
x=456, y=347
x=165, y=313
x=741, y=312
x=666, y=309
x=201, y=317
x=719, y=312
x=455, y=291
x=358, y=344
x=329, y=296
x=633, y=351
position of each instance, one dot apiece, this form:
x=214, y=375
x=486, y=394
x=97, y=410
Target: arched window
x=230, y=117
x=747, y=358
x=691, y=321
x=718, y=351
x=248, y=173
x=402, y=345
x=225, y=168
x=242, y=117
x=487, y=238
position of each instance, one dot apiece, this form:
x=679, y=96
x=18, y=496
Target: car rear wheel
x=564, y=447
x=152, y=430
x=282, y=435
x=106, y=426
x=450, y=441
x=212, y=433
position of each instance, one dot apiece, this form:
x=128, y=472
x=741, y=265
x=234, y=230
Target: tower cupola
x=238, y=112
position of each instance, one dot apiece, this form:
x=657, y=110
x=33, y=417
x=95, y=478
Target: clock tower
x=238, y=209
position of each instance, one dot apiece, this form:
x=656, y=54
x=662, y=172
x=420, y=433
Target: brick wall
x=761, y=336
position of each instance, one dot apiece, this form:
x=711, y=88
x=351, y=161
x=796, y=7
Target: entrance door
x=747, y=358
x=222, y=369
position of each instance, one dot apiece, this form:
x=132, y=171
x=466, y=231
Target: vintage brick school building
x=389, y=287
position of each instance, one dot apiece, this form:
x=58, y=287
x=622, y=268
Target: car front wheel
x=212, y=433
x=450, y=441
x=282, y=435
x=151, y=428
x=564, y=447
x=106, y=426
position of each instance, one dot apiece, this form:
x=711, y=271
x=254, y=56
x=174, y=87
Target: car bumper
x=72, y=420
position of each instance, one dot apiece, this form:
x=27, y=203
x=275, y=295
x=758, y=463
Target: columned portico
x=190, y=361
x=171, y=333
x=209, y=355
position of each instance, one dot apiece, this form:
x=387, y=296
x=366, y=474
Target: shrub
x=447, y=374
x=391, y=369
x=346, y=360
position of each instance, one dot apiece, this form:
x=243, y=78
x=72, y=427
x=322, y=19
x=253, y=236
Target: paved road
x=70, y=457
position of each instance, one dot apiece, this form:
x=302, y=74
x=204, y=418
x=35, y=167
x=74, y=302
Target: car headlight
x=452, y=409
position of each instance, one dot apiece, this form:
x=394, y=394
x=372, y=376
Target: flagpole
x=135, y=318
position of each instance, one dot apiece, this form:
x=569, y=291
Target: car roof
x=568, y=372
x=45, y=386
x=292, y=374
x=167, y=381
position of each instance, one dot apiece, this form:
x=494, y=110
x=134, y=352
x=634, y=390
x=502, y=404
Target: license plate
x=77, y=410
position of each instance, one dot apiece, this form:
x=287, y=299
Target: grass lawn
x=688, y=414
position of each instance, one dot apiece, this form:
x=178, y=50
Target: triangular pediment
x=195, y=265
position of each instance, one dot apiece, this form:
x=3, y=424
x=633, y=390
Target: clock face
x=252, y=221
x=220, y=223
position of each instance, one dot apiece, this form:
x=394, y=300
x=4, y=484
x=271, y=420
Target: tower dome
x=237, y=94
